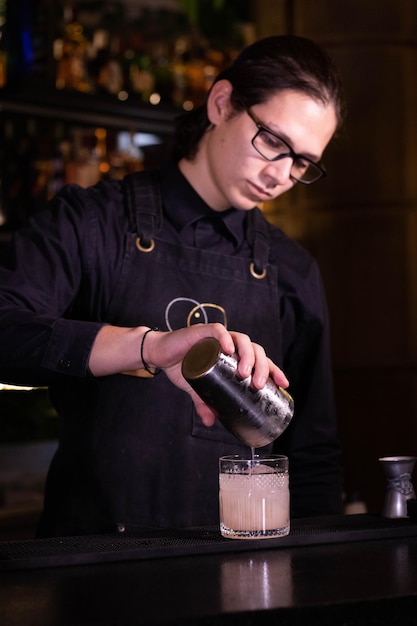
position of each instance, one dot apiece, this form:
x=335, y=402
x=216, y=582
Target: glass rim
x=256, y=457
x=398, y=459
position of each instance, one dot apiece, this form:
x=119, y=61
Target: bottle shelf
x=89, y=110
x=50, y=138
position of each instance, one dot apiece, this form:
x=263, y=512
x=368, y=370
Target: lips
x=258, y=193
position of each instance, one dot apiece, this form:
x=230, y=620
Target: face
x=230, y=172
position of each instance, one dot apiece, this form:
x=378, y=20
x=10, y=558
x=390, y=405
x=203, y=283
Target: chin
x=245, y=204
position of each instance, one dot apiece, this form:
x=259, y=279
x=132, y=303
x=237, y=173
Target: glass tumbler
x=254, y=496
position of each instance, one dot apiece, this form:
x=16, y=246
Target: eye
x=273, y=142
x=301, y=165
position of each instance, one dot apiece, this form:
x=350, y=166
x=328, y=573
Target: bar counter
x=350, y=570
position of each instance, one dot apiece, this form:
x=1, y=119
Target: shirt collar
x=183, y=206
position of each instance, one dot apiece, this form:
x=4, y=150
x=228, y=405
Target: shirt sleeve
x=52, y=297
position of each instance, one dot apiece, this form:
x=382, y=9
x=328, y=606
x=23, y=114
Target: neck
x=198, y=175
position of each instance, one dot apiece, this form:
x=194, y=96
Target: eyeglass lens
x=272, y=148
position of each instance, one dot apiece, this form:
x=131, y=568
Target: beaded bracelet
x=153, y=371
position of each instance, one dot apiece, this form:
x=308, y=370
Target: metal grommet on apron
x=145, y=248
x=255, y=273
x=259, y=240
x=140, y=190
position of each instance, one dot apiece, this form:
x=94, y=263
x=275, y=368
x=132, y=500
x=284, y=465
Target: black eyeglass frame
x=290, y=154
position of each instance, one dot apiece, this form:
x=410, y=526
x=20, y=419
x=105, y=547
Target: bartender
x=103, y=293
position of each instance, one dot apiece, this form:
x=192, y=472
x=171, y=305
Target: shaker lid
x=200, y=358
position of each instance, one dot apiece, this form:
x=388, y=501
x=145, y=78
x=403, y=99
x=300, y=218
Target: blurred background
x=90, y=89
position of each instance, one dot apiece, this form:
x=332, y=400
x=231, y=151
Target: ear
x=218, y=102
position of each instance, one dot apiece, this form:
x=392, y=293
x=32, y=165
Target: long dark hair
x=262, y=69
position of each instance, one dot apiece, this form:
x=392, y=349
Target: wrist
x=144, y=353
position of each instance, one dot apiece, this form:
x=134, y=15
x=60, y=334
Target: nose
x=277, y=172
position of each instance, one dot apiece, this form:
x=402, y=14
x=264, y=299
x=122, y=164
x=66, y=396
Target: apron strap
x=144, y=205
x=259, y=241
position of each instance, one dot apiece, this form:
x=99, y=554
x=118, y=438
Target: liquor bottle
x=72, y=70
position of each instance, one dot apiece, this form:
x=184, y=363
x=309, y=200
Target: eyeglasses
x=274, y=148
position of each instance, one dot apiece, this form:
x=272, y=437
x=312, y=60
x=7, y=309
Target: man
x=186, y=251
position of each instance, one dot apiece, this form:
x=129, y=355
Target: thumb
x=206, y=413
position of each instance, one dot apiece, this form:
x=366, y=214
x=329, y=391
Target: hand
x=166, y=350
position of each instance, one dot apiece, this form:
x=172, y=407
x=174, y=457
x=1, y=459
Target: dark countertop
x=309, y=578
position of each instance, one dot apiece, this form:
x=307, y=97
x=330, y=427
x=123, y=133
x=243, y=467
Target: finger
x=261, y=370
x=246, y=353
x=278, y=376
x=253, y=361
x=169, y=348
x=274, y=372
x=264, y=369
x=206, y=414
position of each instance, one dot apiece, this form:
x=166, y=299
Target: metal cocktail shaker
x=256, y=417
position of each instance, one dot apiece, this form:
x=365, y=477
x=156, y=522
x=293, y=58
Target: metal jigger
x=398, y=470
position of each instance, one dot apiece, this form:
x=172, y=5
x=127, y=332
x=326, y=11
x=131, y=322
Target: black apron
x=145, y=457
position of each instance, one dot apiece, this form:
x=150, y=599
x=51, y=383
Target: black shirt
x=194, y=222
